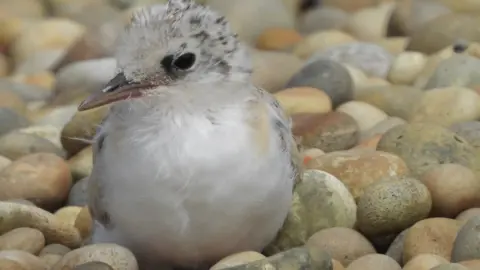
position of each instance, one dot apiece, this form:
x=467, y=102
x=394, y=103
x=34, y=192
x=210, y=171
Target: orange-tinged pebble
x=304, y=100
x=278, y=39
x=337, y=265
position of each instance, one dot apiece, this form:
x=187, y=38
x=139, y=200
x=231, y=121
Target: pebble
x=53, y=33
x=349, y=5
x=447, y=106
x=453, y=187
x=327, y=75
x=270, y=79
x=278, y=39
x=23, y=259
x=320, y=41
x=328, y=132
x=406, y=67
x=249, y=19
x=395, y=250
x=78, y=193
x=81, y=164
x=374, y=262
x=433, y=236
x=423, y=145
x=370, y=24
x=324, y=18
x=39, y=61
x=394, y=100
x=394, y=45
x=25, y=239
x=4, y=65
x=382, y=127
x=469, y=130
x=47, y=132
x=424, y=262
x=84, y=76
x=11, y=120
x=4, y=162
x=391, y=205
x=81, y=128
x=51, y=254
x=68, y=214
x=26, y=91
x=366, y=115
x=457, y=70
x=304, y=100
x=443, y=31
x=371, y=58
x=114, y=255
x=12, y=101
x=17, y=144
x=56, y=116
x=93, y=266
x=44, y=79
x=342, y=244
x=238, y=259
x=466, y=246
x=320, y=201
x=359, y=168
x=42, y=178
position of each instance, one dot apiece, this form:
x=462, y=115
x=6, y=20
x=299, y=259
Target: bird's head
x=171, y=45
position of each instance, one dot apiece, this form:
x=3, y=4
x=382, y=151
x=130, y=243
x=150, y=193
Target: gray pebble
x=11, y=120
x=78, y=193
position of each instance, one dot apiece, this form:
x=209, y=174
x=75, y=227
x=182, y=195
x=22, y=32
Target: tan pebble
x=358, y=77
x=274, y=79
x=304, y=100
x=26, y=239
x=7, y=264
x=449, y=266
x=468, y=214
x=366, y=115
x=370, y=143
x=48, y=132
x=16, y=215
x=374, y=262
x=43, y=178
x=4, y=162
x=447, y=106
x=25, y=259
x=424, y=262
x=81, y=164
x=114, y=255
x=237, y=259
x=471, y=265
x=454, y=188
x=44, y=79
x=278, y=39
x=68, y=214
x=431, y=66
x=56, y=249
x=93, y=266
x=310, y=154
x=406, y=67
x=371, y=23
x=394, y=45
x=433, y=235
x=337, y=265
x=343, y=244
x=84, y=222
x=349, y=5
x=320, y=41
x=54, y=33
x=9, y=99
x=359, y=168
x=50, y=259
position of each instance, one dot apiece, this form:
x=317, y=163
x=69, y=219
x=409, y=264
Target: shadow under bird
x=193, y=162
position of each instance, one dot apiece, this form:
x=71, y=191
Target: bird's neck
x=185, y=101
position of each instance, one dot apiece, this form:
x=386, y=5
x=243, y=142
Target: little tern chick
x=193, y=162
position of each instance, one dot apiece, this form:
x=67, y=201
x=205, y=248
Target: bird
x=192, y=162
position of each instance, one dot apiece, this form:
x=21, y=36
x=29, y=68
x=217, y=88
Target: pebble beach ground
x=385, y=101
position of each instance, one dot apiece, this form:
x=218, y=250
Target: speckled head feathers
x=175, y=29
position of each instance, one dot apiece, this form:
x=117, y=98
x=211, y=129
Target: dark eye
x=184, y=61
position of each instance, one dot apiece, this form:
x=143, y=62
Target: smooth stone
x=16, y=144
x=48, y=132
x=321, y=41
x=85, y=76
x=458, y=70
x=371, y=23
x=443, y=31
x=371, y=58
x=26, y=91
x=406, y=67
x=12, y=101
x=469, y=130
x=57, y=117
x=81, y=164
x=22, y=9
x=327, y=75
x=328, y=132
x=78, y=193
x=278, y=39
x=40, y=61
x=322, y=18
x=366, y=115
x=249, y=19
x=273, y=79
x=11, y=120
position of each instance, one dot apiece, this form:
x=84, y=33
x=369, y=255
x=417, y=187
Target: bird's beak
x=119, y=88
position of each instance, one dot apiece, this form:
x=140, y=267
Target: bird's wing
x=283, y=125
x=96, y=188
